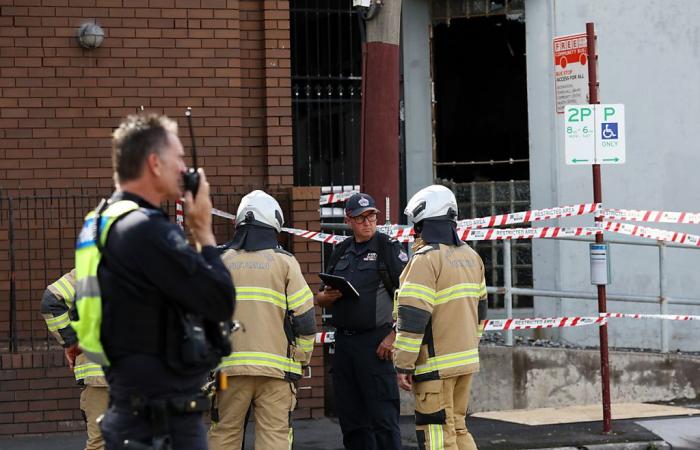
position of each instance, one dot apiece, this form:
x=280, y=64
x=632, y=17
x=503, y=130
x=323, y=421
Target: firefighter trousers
x=93, y=404
x=273, y=400
x=441, y=409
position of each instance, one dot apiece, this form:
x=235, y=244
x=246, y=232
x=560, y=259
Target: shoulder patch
x=428, y=248
x=282, y=251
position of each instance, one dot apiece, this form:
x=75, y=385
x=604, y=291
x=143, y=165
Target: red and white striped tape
x=530, y=216
x=553, y=322
x=497, y=234
x=649, y=316
x=316, y=235
x=327, y=337
x=634, y=215
x=335, y=197
x=180, y=213
x=480, y=234
x=224, y=214
x=652, y=233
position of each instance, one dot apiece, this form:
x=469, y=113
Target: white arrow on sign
x=579, y=132
x=594, y=134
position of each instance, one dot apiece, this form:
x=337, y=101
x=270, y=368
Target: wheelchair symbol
x=609, y=130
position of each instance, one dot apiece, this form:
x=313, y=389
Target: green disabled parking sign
x=594, y=134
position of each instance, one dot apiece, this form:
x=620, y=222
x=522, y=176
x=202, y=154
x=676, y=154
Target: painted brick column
x=304, y=214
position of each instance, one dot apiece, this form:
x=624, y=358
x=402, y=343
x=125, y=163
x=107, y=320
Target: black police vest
x=367, y=275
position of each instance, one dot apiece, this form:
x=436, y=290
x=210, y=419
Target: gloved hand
x=71, y=353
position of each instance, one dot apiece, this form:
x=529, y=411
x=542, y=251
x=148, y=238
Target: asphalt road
x=324, y=434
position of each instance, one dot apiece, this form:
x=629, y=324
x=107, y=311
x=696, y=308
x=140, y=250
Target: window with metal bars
x=326, y=92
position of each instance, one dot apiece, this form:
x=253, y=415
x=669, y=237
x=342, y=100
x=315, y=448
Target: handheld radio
x=191, y=177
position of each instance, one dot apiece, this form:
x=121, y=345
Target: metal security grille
x=445, y=10
x=481, y=199
x=326, y=92
x=37, y=246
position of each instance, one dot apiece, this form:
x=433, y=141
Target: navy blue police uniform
x=365, y=386
x=147, y=270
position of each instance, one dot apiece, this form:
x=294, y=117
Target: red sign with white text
x=570, y=70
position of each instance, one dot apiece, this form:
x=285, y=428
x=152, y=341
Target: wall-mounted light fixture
x=90, y=35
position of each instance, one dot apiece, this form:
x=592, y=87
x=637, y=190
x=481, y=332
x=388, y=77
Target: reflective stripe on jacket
x=88, y=298
x=438, y=327
x=55, y=310
x=268, y=284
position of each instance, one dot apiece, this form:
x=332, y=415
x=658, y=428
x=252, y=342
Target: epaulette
x=428, y=248
x=282, y=251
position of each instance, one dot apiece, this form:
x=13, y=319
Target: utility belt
x=157, y=412
x=173, y=406
x=354, y=331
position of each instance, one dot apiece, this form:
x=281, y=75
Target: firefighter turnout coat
x=270, y=289
x=442, y=291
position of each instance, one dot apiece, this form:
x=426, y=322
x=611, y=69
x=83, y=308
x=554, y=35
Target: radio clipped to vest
x=202, y=343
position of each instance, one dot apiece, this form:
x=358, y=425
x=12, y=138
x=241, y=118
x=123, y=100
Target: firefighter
x=441, y=308
x=55, y=306
x=276, y=311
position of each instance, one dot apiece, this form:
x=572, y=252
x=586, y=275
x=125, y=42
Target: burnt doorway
x=479, y=73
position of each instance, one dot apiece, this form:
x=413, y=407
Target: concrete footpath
x=324, y=434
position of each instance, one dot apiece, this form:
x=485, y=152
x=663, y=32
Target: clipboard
x=341, y=284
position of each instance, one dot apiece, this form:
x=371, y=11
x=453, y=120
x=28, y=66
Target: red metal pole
x=598, y=198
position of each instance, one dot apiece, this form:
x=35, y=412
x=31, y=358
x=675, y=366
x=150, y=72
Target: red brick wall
x=228, y=59
x=305, y=215
x=38, y=394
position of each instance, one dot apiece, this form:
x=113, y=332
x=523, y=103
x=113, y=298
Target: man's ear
x=153, y=163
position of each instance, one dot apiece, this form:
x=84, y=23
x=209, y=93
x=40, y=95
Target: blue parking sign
x=608, y=130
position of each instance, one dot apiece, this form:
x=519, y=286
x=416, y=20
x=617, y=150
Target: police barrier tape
x=335, y=197
x=633, y=215
x=327, y=337
x=405, y=233
x=180, y=213
x=534, y=215
x=652, y=233
x=530, y=216
x=649, y=316
x=466, y=234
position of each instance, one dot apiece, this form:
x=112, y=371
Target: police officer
x=148, y=304
x=441, y=304
x=276, y=304
x=364, y=380
x=55, y=306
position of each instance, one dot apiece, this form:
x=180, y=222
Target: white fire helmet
x=432, y=202
x=261, y=208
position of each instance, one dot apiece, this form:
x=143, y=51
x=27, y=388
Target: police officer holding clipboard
x=364, y=379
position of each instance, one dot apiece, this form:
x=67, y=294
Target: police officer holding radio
x=364, y=379
x=151, y=309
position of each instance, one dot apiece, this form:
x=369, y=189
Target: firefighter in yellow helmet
x=55, y=306
x=275, y=307
x=441, y=308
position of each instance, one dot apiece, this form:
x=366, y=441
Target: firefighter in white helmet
x=441, y=308
x=275, y=307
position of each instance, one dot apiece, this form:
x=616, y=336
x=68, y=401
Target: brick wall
x=38, y=394
x=305, y=215
x=228, y=59
x=37, y=391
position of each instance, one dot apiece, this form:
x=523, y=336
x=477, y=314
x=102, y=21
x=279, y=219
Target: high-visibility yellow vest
x=88, y=299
